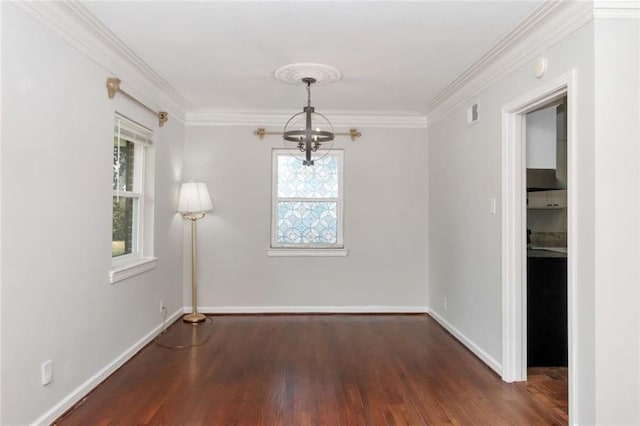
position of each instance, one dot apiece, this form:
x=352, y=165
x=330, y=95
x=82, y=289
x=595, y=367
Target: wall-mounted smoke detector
x=473, y=114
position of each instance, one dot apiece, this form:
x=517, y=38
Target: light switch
x=492, y=205
x=47, y=372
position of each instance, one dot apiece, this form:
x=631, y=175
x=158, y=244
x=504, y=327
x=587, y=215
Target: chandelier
x=308, y=129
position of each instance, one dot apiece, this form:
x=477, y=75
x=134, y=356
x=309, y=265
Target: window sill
x=311, y=252
x=136, y=267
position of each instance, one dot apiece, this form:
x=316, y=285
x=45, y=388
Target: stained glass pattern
x=307, y=205
x=298, y=181
x=307, y=222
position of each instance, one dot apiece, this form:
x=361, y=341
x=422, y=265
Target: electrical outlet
x=444, y=302
x=162, y=307
x=47, y=372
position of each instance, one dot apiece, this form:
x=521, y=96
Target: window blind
x=132, y=131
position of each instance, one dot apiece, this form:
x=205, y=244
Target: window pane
x=308, y=222
x=123, y=238
x=298, y=181
x=123, y=164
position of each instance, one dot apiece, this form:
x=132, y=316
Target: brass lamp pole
x=193, y=203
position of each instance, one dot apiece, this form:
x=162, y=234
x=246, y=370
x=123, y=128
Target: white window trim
x=307, y=250
x=132, y=268
x=142, y=260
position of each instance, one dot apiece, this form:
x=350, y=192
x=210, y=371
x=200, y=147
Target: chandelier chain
x=308, y=93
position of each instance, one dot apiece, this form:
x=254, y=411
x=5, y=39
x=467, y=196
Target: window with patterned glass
x=307, y=201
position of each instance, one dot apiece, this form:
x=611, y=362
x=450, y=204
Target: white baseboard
x=82, y=390
x=477, y=351
x=309, y=309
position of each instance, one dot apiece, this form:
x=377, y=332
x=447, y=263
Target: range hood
x=543, y=180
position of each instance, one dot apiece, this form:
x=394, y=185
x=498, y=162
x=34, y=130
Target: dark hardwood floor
x=550, y=387
x=309, y=370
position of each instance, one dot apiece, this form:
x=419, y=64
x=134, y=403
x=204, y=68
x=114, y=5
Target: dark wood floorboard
x=550, y=387
x=309, y=370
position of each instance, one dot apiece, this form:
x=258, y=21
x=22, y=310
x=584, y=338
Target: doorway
x=514, y=229
x=545, y=143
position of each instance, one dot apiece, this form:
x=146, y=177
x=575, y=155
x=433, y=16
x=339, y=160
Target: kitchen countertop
x=546, y=253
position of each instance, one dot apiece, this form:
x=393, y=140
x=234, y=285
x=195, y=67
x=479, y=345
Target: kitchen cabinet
x=555, y=199
x=541, y=130
x=547, y=342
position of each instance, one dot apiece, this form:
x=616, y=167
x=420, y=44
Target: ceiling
x=394, y=56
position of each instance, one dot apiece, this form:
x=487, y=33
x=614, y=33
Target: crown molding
x=616, y=9
x=88, y=35
x=339, y=119
x=545, y=26
x=494, y=52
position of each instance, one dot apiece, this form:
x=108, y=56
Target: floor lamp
x=193, y=202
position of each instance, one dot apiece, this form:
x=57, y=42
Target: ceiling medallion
x=295, y=73
x=308, y=131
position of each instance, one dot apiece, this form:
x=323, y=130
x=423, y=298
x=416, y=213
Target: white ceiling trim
x=88, y=35
x=616, y=9
x=511, y=37
x=545, y=26
x=339, y=119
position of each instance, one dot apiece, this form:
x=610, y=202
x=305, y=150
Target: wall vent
x=472, y=114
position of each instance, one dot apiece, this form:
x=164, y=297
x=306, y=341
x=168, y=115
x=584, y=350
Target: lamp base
x=193, y=318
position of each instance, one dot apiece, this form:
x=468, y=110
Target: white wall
x=465, y=239
x=464, y=170
x=1, y=89
x=617, y=219
x=57, y=302
x=385, y=186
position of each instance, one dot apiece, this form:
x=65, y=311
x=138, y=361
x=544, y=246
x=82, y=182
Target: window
x=130, y=253
x=307, y=203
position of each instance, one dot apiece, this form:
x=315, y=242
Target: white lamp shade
x=194, y=198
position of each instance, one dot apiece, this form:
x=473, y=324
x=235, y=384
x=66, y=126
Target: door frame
x=514, y=228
